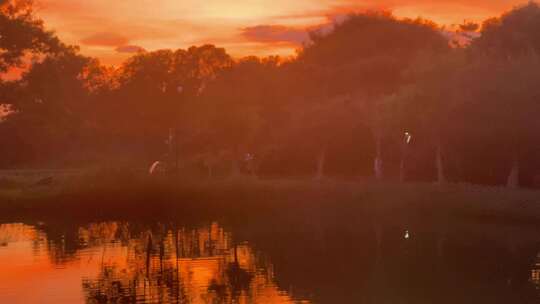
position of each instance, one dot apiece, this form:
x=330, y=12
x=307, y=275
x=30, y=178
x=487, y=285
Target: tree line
x=377, y=96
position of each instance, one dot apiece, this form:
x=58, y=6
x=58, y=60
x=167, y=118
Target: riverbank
x=106, y=194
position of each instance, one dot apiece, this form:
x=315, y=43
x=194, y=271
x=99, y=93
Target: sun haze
x=114, y=30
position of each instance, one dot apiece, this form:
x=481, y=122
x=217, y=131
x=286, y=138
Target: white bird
x=155, y=168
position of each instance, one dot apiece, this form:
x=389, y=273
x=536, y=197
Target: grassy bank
x=120, y=194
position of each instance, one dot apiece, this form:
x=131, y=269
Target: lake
x=152, y=261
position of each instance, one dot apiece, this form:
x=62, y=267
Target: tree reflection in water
x=170, y=265
x=159, y=264
x=324, y=262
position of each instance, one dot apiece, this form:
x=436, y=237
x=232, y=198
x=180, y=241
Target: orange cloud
x=275, y=33
x=130, y=49
x=105, y=39
x=254, y=27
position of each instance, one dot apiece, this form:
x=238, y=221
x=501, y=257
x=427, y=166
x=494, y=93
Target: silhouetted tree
x=237, y=109
x=434, y=93
x=365, y=57
x=50, y=107
x=21, y=34
x=515, y=33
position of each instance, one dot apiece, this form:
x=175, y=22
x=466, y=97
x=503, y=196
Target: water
x=246, y=262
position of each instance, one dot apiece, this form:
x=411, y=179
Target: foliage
x=341, y=106
x=22, y=34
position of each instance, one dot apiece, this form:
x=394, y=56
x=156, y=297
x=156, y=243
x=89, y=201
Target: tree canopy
x=376, y=96
x=22, y=34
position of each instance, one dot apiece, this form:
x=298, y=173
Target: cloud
x=275, y=33
x=105, y=39
x=130, y=49
x=104, y=28
x=282, y=34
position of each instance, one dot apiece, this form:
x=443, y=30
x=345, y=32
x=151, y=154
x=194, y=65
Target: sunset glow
x=269, y=151
x=112, y=31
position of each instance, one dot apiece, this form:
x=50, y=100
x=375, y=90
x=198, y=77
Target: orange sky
x=114, y=30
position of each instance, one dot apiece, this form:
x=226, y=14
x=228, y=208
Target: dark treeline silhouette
x=376, y=96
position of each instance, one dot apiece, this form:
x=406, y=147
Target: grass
x=125, y=194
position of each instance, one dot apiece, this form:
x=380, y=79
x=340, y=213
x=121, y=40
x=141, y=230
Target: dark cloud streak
x=275, y=33
x=130, y=49
x=105, y=39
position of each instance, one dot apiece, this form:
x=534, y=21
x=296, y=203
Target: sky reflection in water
x=116, y=263
x=121, y=262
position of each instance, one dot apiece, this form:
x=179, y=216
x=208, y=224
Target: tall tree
x=432, y=96
x=507, y=96
x=238, y=109
x=509, y=47
x=513, y=34
x=50, y=106
x=22, y=34
x=365, y=57
x=157, y=92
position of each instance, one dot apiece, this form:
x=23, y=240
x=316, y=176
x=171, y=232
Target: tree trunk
x=441, y=179
x=378, y=162
x=235, y=169
x=513, y=177
x=379, y=240
x=404, y=153
x=235, y=165
x=321, y=159
x=210, y=171
x=402, y=170
x=176, y=151
x=171, y=160
x=441, y=240
x=460, y=171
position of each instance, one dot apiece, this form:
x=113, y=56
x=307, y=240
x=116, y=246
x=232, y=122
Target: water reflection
x=121, y=263
x=272, y=260
x=535, y=272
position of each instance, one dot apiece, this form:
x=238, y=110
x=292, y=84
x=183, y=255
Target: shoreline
x=143, y=196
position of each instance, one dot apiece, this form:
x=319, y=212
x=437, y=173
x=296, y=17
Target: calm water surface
x=154, y=262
